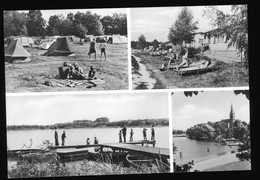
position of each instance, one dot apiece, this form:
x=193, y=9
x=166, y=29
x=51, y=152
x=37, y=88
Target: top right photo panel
x=189, y=47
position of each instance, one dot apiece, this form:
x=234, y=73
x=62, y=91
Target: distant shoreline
x=98, y=127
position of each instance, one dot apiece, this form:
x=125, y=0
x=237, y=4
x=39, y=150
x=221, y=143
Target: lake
x=197, y=150
x=16, y=139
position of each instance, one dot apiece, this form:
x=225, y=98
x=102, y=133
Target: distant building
x=230, y=122
x=218, y=44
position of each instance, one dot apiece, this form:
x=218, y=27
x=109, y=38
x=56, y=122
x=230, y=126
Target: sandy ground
x=210, y=164
x=144, y=76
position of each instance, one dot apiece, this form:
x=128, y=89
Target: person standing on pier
x=56, y=136
x=88, y=143
x=144, y=134
x=152, y=133
x=131, y=135
x=63, y=136
x=120, y=136
x=124, y=132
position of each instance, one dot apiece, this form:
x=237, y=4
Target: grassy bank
x=224, y=75
x=39, y=74
x=24, y=169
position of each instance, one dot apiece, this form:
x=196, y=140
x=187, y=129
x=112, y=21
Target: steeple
x=231, y=116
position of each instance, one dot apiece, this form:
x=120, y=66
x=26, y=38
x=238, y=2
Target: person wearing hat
x=92, y=73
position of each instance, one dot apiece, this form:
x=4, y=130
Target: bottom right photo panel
x=211, y=131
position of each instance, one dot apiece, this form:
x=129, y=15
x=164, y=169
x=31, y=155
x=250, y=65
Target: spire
x=232, y=113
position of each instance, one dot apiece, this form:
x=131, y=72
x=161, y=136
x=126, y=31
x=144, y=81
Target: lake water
x=16, y=139
x=197, y=150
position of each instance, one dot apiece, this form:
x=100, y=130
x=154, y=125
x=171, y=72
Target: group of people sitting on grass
x=173, y=55
x=76, y=72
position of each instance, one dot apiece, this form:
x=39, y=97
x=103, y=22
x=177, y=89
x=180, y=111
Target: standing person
x=92, y=49
x=124, y=132
x=152, y=133
x=95, y=140
x=120, y=136
x=87, y=142
x=131, y=135
x=96, y=149
x=144, y=134
x=63, y=136
x=56, y=136
x=102, y=48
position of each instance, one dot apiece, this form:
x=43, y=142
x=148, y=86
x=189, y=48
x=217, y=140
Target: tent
x=25, y=41
x=15, y=51
x=115, y=39
x=61, y=47
x=45, y=45
x=123, y=39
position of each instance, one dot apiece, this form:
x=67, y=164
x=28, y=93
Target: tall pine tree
x=183, y=28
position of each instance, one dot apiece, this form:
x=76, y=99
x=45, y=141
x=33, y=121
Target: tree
x=54, y=25
x=183, y=29
x=155, y=44
x=90, y=21
x=234, y=26
x=142, y=41
x=115, y=24
x=35, y=23
x=201, y=132
x=14, y=23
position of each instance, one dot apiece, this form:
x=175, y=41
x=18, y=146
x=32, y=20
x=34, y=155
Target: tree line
x=100, y=122
x=78, y=24
x=215, y=131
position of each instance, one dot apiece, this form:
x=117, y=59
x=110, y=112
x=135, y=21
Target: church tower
x=231, y=117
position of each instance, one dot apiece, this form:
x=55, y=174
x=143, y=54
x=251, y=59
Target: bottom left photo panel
x=55, y=135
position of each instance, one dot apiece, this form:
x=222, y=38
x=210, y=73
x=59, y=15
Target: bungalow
x=218, y=44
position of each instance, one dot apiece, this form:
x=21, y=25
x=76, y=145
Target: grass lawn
x=31, y=76
x=225, y=74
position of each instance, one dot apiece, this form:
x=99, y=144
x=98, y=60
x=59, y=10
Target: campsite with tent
x=188, y=58
x=33, y=62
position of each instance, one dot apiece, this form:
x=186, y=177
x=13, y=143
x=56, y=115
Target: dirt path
x=143, y=79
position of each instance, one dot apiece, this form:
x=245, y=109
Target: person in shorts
x=102, y=48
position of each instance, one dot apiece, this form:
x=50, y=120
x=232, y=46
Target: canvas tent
x=15, y=51
x=25, y=41
x=45, y=45
x=123, y=39
x=114, y=39
x=61, y=47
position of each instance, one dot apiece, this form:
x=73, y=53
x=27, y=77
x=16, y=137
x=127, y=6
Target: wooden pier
x=77, y=152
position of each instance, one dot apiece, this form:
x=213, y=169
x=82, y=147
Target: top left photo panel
x=65, y=50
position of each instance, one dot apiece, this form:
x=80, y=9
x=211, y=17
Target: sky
x=51, y=109
x=207, y=106
x=154, y=23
